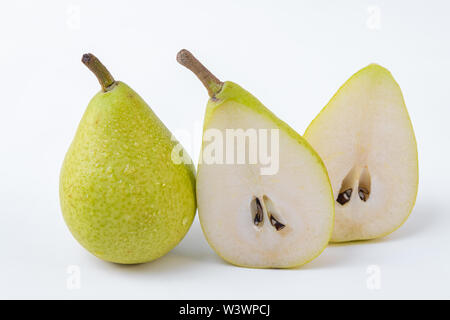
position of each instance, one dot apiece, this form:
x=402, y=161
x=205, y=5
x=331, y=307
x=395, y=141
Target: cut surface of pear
x=122, y=196
x=365, y=137
x=278, y=220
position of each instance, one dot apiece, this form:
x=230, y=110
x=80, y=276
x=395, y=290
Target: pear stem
x=187, y=59
x=104, y=77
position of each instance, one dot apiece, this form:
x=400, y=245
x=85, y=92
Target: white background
x=292, y=55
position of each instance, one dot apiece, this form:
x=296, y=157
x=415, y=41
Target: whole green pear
x=127, y=188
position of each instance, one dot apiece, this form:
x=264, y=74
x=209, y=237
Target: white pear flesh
x=365, y=138
x=299, y=195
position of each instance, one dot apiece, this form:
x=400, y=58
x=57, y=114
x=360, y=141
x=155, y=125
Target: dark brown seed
x=344, y=197
x=259, y=213
x=363, y=194
x=277, y=224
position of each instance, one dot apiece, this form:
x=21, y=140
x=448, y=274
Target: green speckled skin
x=122, y=196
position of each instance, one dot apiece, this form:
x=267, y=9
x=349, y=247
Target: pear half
x=253, y=214
x=366, y=139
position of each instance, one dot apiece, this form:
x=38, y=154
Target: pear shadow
x=190, y=253
x=194, y=245
x=330, y=258
x=423, y=217
x=194, y=251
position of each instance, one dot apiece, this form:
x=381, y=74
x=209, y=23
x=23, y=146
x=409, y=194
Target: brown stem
x=104, y=77
x=187, y=59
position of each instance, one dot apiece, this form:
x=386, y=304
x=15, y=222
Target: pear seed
x=257, y=212
x=277, y=224
x=344, y=197
x=363, y=194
